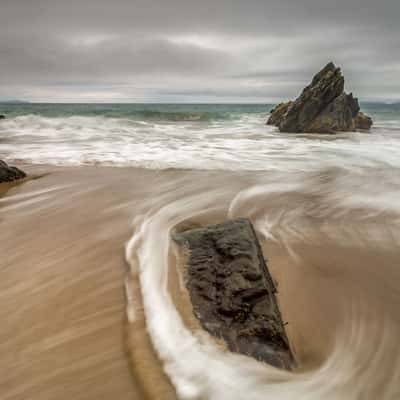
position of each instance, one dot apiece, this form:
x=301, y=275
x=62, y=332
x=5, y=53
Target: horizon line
x=24, y=102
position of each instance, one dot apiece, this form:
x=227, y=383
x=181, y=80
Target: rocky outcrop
x=232, y=292
x=322, y=107
x=362, y=121
x=10, y=174
x=2, y=116
x=338, y=116
x=278, y=112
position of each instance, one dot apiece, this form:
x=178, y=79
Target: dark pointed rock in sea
x=2, y=116
x=10, y=174
x=322, y=107
x=233, y=293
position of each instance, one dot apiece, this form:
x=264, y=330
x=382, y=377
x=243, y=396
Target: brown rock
x=338, y=116
x=362, y=121
x=278, y=113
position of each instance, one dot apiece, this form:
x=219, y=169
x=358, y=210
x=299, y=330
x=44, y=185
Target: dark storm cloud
x=161, y=50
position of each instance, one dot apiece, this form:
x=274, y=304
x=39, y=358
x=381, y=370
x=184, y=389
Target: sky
x=257, y=51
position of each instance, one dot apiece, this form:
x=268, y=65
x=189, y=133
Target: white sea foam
x=244, y=143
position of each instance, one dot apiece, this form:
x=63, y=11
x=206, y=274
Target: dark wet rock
x=2, y=116
x=322, y=107
x=10, y=174
x=362, y=121
x=325, y=87
x=278, y=112
x=233, y=293
x=338, y=116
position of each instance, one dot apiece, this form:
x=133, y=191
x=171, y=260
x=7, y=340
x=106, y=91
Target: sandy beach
x=62, y=285
x=65, y=285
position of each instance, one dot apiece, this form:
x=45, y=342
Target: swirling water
x=335, y=258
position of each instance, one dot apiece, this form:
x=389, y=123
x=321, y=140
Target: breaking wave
x=189, y=140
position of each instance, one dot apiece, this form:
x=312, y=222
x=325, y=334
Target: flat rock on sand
x=232, y=292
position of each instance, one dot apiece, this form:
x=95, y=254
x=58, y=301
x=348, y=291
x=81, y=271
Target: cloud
x=91, y=58
x=159, y=50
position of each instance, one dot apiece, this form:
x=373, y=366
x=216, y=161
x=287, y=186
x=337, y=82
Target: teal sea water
x=169, y=112
x=155, y=112
x=199, y=136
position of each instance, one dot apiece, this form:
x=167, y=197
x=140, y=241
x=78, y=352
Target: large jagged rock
x=10, y=174
x=322, y=107
x=232, y=292
x=2, y=116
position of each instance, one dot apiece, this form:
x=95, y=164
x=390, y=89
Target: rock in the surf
x=10, y=174
x=322, y=107
x=2, y=116
x=233, y=293
x=278, y=112
x=362, y=121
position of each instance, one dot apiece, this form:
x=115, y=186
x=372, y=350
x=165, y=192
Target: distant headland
x=14, y=102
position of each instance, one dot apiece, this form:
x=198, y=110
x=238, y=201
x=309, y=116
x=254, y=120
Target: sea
x=188, y=136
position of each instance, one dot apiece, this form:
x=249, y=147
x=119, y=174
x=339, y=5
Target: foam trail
x=200, y=370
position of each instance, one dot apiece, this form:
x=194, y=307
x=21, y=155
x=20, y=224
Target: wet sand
x=65, y=333
x=336, y=264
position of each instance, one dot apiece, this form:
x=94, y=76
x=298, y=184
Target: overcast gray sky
x=204, y=50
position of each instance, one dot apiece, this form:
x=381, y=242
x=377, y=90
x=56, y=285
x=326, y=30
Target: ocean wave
x=181, y=116
x=146, y=115
x=245, y=143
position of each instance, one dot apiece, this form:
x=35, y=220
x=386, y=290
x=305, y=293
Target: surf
x=357, y=357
